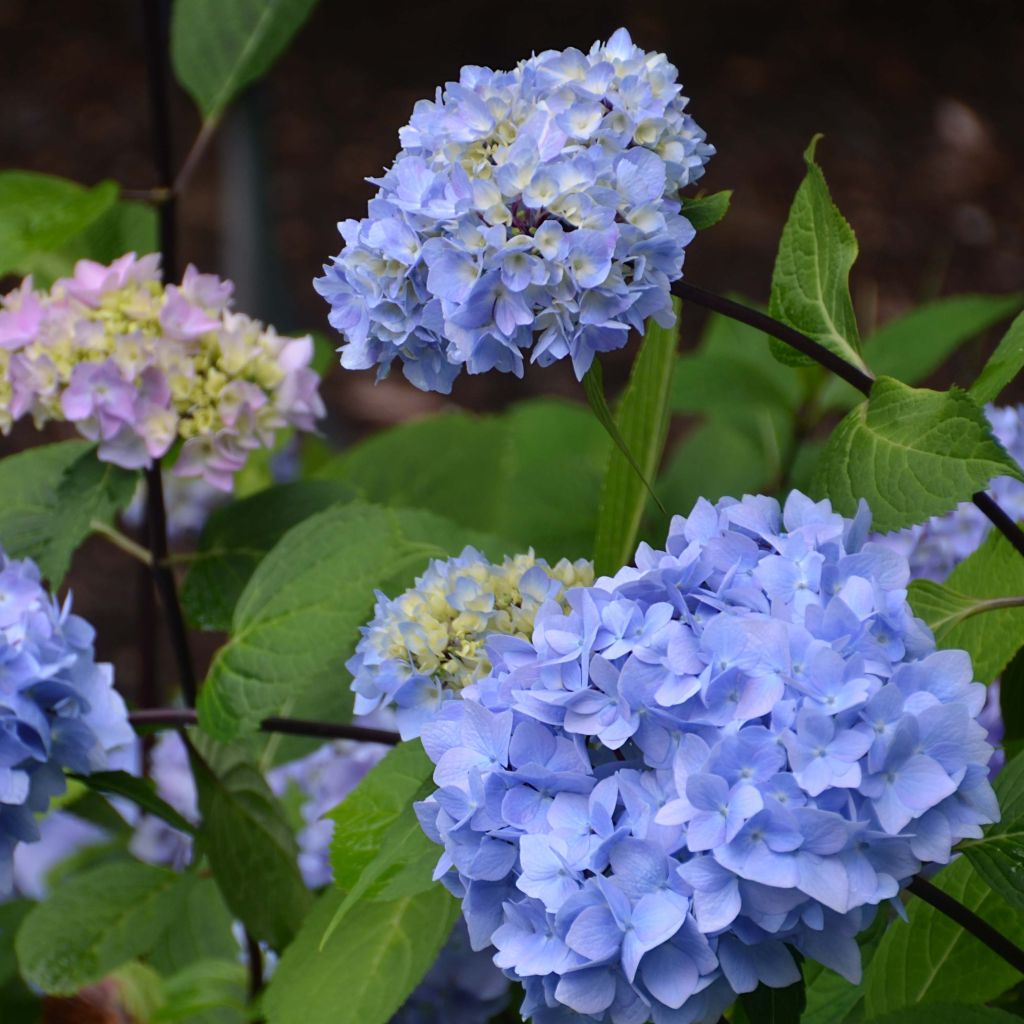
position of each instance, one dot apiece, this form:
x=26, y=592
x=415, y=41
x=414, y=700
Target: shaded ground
x=920, y=104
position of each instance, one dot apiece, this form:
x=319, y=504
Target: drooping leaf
x=705, y=211
x=201, y=930
x=40, y=215
x=912, y=453
x=363, y=818
x=999, y=855
x=95, y=921
x=141, y=792
x=298, y=618
x=914, y=345
x=249, y=843
x=931, y=959
x=238, y=536
x=1003, y=365
x=218, y=47
x=531, y=475
x=810, y=283
x=992, y=574
x=641, y=421
x=368, y=968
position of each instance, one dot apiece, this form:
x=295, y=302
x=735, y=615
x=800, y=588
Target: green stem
x=119, y=540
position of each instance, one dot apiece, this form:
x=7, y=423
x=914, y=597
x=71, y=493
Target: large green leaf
x=237, y=537
x=368, y=968
x=49, y=498
x=96, y=921
x=810, y=283
x=1003, y=365
x=39, y=217
x=298, y=618
x=912, y=453
x=931, y=959
x=991, y=575
x=912, y=346
x=642, y=420
x=220, y=46
x=831, y=999
x=531, y=475
x=207, y=990
x=363, y=818
x=948, y=1013
x=999, y=855
x=249, y=843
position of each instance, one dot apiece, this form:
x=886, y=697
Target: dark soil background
x=920, y=104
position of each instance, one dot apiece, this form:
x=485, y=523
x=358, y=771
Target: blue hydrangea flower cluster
x=58, y=708
x=744, y=742
x=534, y=209
x=424, y=646
x=935, y=548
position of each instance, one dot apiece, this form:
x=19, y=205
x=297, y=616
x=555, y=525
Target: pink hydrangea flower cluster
x=138, y=366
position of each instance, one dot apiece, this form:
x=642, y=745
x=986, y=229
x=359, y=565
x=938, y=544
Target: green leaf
x=28, y=483
x=12, y=914
x=767, y=1005
x=501, y=474
x=831, y=999
x=932, y=959
x=1003, y=365
x=403, y=867
x=810, y=283
x=912, y=453
x=97, y=921
x=719, y=459
x=706, y=211
x=205, y=990
x=641, y=422
x=141, y=792
x=992, y=575
x=999, y=855
x=218, y=47
x=249, y=843
x=201, y=930
x=948, y=1013
x=40, y=214
x=914, y=345
x=236, y=538
x=298, y=618
x=367, y=969
x=363, y=818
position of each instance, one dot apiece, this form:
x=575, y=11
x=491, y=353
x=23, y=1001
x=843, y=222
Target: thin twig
x=119, y=540
x=853, y=375
x=177, y=718
x=163, y=577
x=969, y=921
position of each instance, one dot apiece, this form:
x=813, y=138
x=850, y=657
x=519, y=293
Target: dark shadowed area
x=919, y=103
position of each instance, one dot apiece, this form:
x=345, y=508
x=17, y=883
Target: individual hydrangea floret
x=138, y=367
x=935, y=548
x=59, y=710
x=536, y=209
x=743, y=743
x=426, y=645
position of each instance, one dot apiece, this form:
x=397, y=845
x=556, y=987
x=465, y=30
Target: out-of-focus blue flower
x=58, y=708
x=535, y=209
x=424, y=646
x=935, y=548
x=744, y=742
